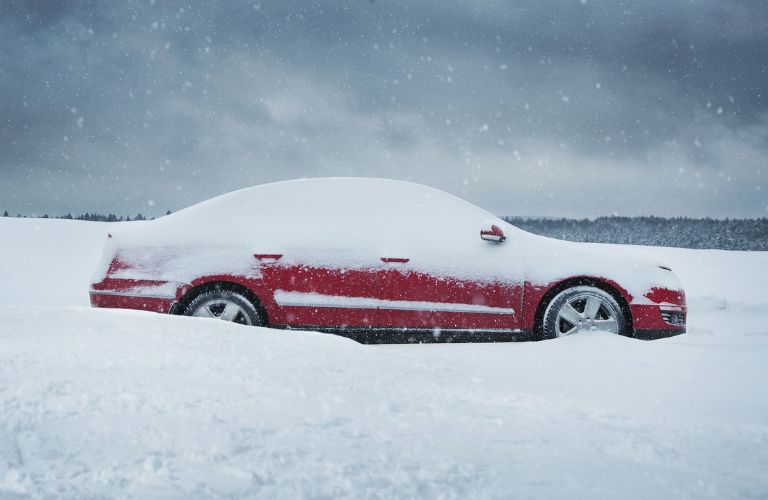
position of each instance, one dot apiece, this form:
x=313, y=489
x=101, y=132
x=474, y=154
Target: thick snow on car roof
x=328, y=221
x=325, y=212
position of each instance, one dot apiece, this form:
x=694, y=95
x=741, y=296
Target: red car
x=383, y=261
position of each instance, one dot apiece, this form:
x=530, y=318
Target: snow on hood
x=549, y=260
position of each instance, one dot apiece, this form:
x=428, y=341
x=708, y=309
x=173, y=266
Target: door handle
x=268, y=257
x=394, y=260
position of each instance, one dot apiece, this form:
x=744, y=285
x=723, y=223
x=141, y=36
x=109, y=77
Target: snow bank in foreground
x=123, y=403
x=120, y=403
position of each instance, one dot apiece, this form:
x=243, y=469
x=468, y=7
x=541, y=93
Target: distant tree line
x=683, y=232
x=88, y=216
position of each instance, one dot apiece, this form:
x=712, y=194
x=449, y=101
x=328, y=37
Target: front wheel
x=225, y=305
x=582, y=309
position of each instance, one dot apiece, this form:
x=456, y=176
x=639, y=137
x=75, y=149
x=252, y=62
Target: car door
x=335, y=297
x=433, y=281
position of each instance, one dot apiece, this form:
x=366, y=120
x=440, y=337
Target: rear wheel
x=225, y=305
x=582, y=309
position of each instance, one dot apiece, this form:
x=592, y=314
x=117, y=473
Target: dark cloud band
x=555, y=108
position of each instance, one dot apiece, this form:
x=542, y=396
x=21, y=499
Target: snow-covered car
x=384, y=261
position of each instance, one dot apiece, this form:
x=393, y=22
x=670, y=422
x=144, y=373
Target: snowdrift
x=130, y=404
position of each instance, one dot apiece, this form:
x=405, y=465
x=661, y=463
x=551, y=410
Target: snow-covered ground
x=97, y=403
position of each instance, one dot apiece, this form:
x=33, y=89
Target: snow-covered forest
x=681, y=232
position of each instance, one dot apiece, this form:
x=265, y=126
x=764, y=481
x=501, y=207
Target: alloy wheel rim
x=584, y=313
x=222, y=309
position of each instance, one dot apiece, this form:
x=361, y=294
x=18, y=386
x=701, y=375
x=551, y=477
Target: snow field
x=114, y=403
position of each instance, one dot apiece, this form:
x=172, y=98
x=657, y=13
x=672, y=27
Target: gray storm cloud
x=575, y=108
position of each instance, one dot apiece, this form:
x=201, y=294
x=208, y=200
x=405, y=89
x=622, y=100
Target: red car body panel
x=400, y=284
x=327, y=282
x=120, y=293
x=160, y=305
x=388, y=285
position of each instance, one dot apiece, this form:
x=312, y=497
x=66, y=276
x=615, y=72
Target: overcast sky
x=568, y=108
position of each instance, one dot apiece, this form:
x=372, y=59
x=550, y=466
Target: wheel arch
x=189, y=292
x=618, y=293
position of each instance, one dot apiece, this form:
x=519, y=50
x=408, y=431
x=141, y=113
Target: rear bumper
x=119, y=300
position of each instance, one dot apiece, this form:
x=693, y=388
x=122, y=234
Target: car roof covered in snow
x=324, y=211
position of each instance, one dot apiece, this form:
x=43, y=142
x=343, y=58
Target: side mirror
x=494, y=234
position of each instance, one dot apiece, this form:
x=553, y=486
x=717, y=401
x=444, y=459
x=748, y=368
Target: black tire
x=570, y=312
x=226, y=305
